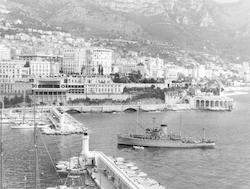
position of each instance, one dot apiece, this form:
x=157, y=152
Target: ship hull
x=123, y=140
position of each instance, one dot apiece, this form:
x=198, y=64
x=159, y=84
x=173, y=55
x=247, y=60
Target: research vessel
x=159, y=137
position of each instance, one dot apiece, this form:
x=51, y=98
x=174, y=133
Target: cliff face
x=193, y=23
x=181, y=12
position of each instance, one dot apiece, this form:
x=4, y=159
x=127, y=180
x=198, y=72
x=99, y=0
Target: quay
x=111, y=172
x=63, y=123
x=106, y=172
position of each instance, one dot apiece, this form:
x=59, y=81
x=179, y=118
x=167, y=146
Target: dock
x=111, y=172
x=64, y=124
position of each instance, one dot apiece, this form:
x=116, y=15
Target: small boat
x=22, y=126
x=5, y=121
x=138, y=147
x=48, y=131
x=71, y=166
x=27, y=126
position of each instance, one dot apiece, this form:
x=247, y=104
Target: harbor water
x=225, y=166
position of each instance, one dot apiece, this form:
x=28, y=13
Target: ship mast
x=1, y=146
x=137, y=120
x=37, y=186
x=203, y=134
x=137, y=117
x=24, y=108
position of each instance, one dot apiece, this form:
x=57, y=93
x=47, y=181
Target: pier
x=111, y=172
x=64, y=124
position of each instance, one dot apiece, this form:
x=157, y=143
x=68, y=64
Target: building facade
x=155, y=68
x=75, y=61
x=43, y=68
x=11, y=70
x=4, y=53
x=16, y=88
x=100, y=61
x=54, y=60
x=54, y=90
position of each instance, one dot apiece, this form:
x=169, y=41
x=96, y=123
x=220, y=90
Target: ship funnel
x=165, y=129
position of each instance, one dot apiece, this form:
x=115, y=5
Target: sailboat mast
x=180, y=124
x=35, y=143
x=137, y=121
x=1, y=146
x=24, y=109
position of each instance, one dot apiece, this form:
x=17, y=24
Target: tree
x=125, y=90
x=82, y=69
x=99, y=69
x=27, y=64
x=28, y=99
x=6, y=102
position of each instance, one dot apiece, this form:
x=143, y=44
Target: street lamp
x=1, y=146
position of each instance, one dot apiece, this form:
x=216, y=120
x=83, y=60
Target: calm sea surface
x=225, y=166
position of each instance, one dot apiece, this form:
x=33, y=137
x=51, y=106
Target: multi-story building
x=141, y=68
x=171, y=72
x=246, y=67
x=75, y=61
x=246, y=77
x=100, y=62
x=209, y=74
x=154, y=68
x=10, y=71
x=201, y=71
x=41, y=57
x=126, y=66
x=43, y=68
x=14, y=78
x=15, y=88
x=54, y=60
x=4, y=53
x=61, y=89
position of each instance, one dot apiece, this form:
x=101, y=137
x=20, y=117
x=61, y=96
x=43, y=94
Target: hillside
x=195, y=24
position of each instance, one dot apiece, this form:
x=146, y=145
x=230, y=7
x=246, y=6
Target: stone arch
x=72, y=110
x=186, y=101
x=202, y=103
x=216, y=103
x=207, y=103
x=226, y=104
x=212, y=103
x=197, y=103
x=129, y=110
x=221, y=104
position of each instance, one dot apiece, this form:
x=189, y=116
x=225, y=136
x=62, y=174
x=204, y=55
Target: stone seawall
x=122, y=108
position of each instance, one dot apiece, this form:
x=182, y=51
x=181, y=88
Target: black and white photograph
x=124, y=94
